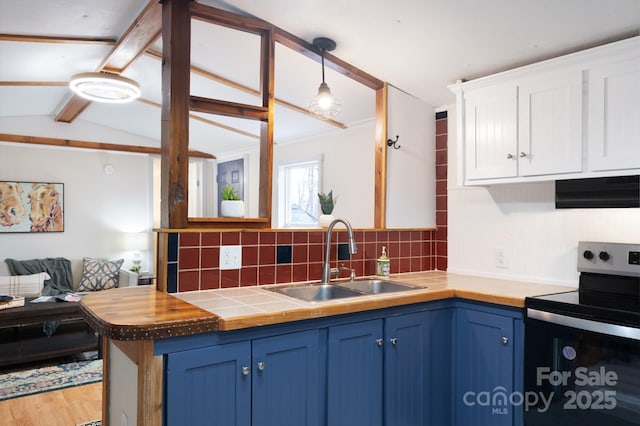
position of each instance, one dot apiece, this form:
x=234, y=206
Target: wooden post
x=174, y=143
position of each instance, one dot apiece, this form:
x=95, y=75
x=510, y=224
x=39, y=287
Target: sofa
x=53, y=329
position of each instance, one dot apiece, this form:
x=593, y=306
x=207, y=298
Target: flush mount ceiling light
x=103, y=87
x=324, y=105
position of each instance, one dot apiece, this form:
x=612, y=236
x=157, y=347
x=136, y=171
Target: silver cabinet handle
x=394, y=341
x=523, y=154
x=379, y=342
x=505, y=340
x=261, y=366
x=245, y=370
x=509, y=156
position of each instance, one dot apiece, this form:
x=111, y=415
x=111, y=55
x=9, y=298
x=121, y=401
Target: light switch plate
x=230, y=257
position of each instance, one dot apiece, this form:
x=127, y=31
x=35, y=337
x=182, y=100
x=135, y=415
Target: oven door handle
x=585, y=324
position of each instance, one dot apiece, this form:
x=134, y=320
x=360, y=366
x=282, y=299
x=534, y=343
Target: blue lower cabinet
x=287, y=386
x=406, y=376
x=209, y=386
x=378, y=372
x=438, y=364
x=273, y=381
x=354, y=374
x=486, y=373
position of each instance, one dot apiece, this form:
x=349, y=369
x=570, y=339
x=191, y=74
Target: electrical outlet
x=124, y=420
x=501, y=259
x=230, y=257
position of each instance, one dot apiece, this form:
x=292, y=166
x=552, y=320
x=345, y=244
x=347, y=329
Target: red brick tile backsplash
x=409, y=251
x=198, y=266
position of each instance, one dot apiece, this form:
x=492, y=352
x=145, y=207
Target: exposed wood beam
x=174, y=138
x=55, y=39
x=70, y=143
x=34, y=83
x=144, y=30
x=246, y=89
x=229, y=109
x=204, y=120
x=142, y=33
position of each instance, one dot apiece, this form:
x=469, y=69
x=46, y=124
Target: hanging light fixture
x=324, y=105
x=105, y=87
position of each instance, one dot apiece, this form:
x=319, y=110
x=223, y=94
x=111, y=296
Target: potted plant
x=327, y=204
x=232, y=205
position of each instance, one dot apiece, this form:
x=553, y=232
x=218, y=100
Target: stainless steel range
x=582, y=348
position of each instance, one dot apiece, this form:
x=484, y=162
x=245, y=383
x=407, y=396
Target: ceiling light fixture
x=104, y=87
x=324, y=106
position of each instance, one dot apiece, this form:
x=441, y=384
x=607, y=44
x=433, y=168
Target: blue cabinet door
x=354, y=374
x=208, y=386
x=484, y=371
x=287, y=386
x=406, y=375
x=440, y=367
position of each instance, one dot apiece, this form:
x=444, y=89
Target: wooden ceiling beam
x=70, y=143
x=207, y=121
x=28, y=38
x=228, y=109
x=144, y=30
x=34, y=83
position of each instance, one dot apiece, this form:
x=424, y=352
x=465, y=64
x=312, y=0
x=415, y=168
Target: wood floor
x=65, y=407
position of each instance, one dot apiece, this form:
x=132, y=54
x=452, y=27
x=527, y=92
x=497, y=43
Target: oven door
x=580, y=372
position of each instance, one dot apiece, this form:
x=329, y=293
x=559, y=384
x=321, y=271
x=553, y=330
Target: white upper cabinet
x=550, y=125
x=614, y=115
x=571, y=117
x=491, y=143
x=411, y=179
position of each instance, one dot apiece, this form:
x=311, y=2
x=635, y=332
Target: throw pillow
x=99, y=274
x=23, y=285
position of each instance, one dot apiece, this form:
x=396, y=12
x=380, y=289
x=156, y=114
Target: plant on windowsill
x=327, y=204
x=232, y=205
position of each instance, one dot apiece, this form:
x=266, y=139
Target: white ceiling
x=419, y=46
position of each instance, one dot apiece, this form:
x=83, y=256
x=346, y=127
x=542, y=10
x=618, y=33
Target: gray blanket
x=58, y=268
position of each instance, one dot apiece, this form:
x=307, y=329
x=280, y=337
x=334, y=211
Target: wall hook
x=393, y=142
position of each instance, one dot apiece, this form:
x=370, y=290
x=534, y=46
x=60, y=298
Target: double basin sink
x=342, y=289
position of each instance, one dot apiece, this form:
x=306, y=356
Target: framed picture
x=31, y=207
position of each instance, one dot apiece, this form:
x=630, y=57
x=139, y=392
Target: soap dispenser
x=383, y=264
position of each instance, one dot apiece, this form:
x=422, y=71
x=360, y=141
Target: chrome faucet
x=326, y=271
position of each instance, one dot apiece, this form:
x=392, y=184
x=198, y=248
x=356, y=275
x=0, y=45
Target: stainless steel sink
x=341, y=289
x=376, y=286
x=315, y=292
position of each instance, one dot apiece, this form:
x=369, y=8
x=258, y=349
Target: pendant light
x=324, y=106
x=104, y=87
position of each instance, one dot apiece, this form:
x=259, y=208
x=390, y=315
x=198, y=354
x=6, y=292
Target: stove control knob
x=604, y=256
x=588, y=254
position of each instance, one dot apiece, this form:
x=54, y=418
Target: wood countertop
x=145, y=314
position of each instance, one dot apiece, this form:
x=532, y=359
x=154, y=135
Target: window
x=298, y=187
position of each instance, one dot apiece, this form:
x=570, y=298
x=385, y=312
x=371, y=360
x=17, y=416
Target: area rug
x=29, y=382
x=93, y=423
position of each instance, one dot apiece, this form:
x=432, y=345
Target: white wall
x=99, y=208
x=539, y=242
x=348, y=169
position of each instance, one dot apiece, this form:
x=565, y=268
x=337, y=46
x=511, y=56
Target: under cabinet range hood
x=603, y=192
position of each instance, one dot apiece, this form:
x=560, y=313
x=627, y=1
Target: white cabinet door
x=550, y=124
x=411, y=178
x=490, y=140
x=614, y=116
